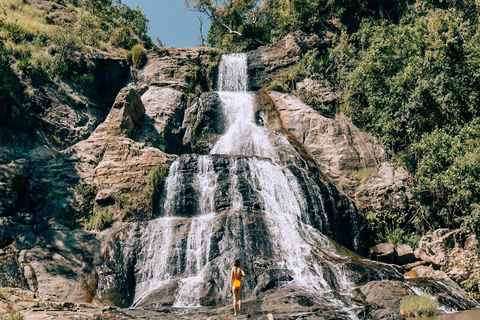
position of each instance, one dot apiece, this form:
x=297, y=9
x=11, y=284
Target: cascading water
x=253, y=171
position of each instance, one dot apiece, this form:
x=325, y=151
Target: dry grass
x=30, y=19
x=418, y=306
x=363, y=173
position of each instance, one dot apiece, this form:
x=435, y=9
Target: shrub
x=472, y=284
x=124, y=38
x=418, y=306
x=100, y=220
x=25, y=66
x=14, y=32
x=6, y=86
x=138, y=56
x=155, y=180
x=13, y=316
x=85, y=83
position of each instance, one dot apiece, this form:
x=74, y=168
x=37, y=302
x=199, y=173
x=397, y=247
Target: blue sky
x=174, y=25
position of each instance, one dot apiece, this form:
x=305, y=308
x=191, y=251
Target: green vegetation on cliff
x=42, y=40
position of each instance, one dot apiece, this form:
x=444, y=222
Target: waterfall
x=205, y=202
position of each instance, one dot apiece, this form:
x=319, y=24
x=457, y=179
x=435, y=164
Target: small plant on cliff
x=418, y=306
x=155, y=179
x=99, y=221
x=138, y=56
x=13, y=316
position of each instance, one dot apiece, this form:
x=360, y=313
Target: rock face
x=452, y=251
x=173, y=68
x=268, y=62
x=126, y=112
x=351, y=158
x=107, y=171
x=165, y=109
x=203, y=124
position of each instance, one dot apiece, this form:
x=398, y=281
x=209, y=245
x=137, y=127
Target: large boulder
x=107, y=171
x=404, y=254
x=452, y=251
x=383, y=252
x=426, y=271
x=126, y=112
x=165, y=108
x=382, y=298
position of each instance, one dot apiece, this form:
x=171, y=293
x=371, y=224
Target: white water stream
x=293, y=241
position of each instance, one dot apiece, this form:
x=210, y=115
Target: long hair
x=236, y=263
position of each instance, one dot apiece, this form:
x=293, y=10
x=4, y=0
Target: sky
x=174, y=25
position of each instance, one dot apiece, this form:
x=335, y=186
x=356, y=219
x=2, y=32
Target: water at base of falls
x=179, y=250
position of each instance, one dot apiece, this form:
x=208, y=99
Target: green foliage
x=447, y=167
x=472, y=284
x=7, y=86
x=138, y=56
x=418, y=306
x=24, y=65
x=203, y=77
x=86, y=83
x=386, y=226
x=155, y=180
x=99, y=221
x=13, y=316
x=13, y=32
x=394, y=236
x=413, y=77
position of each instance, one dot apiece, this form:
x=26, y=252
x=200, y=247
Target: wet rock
x=162, y=297
x=116, y=275
x=404, y=254
x=383, y=252
x=203, y=124
x=273, y=278
x=452, y=251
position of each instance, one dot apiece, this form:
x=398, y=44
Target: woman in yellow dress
x=236, y=285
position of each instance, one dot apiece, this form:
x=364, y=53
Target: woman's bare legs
x=235, y=297
x=239, y=300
